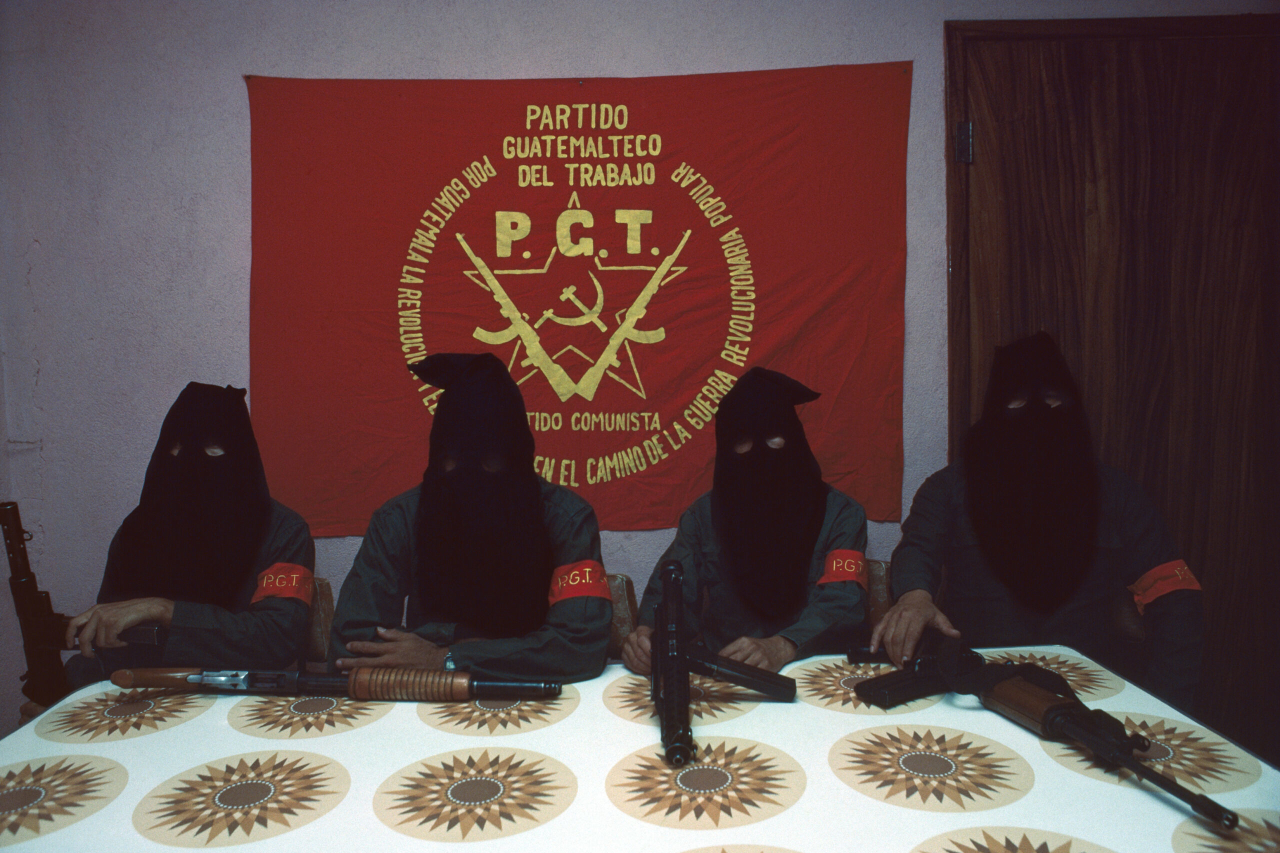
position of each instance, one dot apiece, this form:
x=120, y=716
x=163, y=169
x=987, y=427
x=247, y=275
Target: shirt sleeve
x=572, y=644
x=1174, y=622
x=917, y=561
x=373, y=594
x=268, y=634
x=835, y=608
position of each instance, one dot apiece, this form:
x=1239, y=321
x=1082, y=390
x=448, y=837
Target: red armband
x=585, y=577
x=1162, y=579
x=285, y=580
x=845, y=565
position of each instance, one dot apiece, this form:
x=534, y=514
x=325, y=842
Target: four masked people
x=1030, y=540
x=223, y=571
x=772, y=555
x=486, y=567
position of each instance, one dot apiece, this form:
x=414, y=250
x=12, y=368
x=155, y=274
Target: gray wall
x=124, y=220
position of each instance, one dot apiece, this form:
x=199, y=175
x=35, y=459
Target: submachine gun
x=673, y=658
x=1037, y=699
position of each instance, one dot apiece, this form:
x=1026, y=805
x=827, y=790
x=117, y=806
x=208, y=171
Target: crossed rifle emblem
x=537, y=356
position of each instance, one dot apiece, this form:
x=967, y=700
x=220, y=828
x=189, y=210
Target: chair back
x=879, y=591
x=319, y=622
x=623, y=592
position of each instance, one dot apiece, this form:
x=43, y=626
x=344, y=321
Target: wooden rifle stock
x=130, y=679
x=1025, y=703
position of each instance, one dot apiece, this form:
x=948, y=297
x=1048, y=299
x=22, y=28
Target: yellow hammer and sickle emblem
x=519, y=327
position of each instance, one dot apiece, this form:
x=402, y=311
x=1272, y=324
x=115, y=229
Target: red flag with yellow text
x=628, y=247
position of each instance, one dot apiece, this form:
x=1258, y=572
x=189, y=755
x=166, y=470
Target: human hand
x=394, y=648
x=771, y=653
x=901, y=627
x=101, y=624
x=636, y=650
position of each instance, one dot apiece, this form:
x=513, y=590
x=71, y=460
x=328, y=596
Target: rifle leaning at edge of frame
x=44, y=631
x=364, y=682
x=1040, y=700
x=673, y=658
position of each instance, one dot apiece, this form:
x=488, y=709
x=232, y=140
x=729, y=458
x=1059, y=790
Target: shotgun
x=366, y=683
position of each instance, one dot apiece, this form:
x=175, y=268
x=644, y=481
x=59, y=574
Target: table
x=110, y=769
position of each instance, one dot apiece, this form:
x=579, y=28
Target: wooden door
x=1124, y=194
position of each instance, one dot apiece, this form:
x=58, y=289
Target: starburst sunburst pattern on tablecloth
x=830, y=685
x=41, y=796
x=931, y=768
x=120, y=714
x=1006, y=839
x=240, y=799
x=475, y=795
x=303, y=716
x=1258, y=832
x=1090, y=681
x=710, y=701
x=499, y=716
x=1191, y=756
x=730, y=782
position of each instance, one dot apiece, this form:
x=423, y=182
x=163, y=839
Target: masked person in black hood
x=208, y=556
x=1032, y=541
x=501, y=569
x=772, y=555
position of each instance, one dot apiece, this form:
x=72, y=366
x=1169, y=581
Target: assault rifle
x=372, y=683
x=1037, y=699
x=673, y=658
x=44, y=631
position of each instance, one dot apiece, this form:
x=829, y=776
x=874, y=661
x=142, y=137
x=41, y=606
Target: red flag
x=629, y=247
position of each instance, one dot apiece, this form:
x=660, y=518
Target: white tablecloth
x=109, y=769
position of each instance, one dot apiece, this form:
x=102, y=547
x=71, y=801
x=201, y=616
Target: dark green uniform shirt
x=571, y=644
x=939, y=553
x=269, y=634
x=713, y=609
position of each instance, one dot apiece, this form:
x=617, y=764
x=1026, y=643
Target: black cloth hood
x=485, y=558
x=203, y=513
x=481, y=412
x=767, y=503
x=1029, y=368
x=1031, y=475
